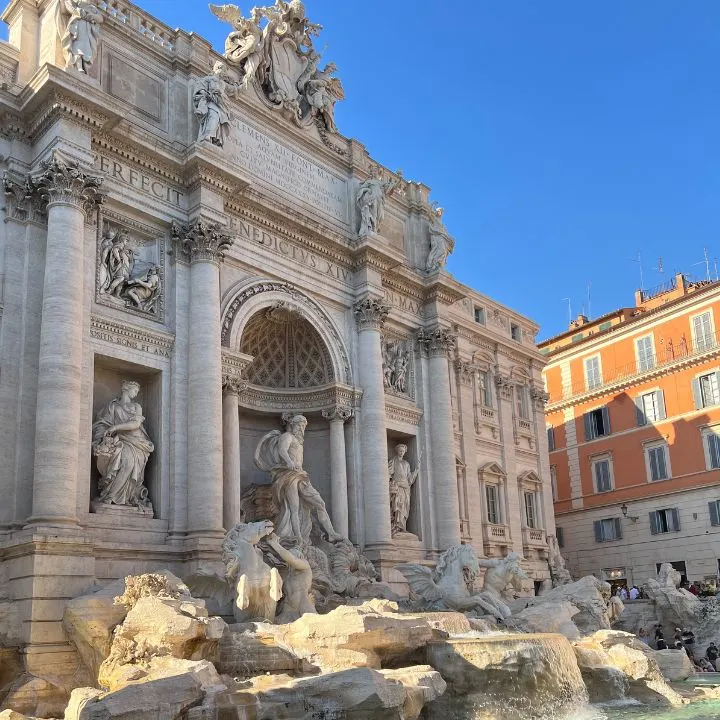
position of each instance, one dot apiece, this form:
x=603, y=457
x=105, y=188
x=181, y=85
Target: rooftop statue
x=371, y=202
x=441, y=244
x=273, y=47
x=82, y=32
x=209, y=94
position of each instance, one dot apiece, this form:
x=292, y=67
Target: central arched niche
x=287, y=350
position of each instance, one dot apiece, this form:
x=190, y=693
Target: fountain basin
x=506, y=677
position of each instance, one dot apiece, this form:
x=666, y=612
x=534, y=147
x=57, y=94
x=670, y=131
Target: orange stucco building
x=634, y=433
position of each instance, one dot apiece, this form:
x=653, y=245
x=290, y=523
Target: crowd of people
x=635, y=593
x=683, y=639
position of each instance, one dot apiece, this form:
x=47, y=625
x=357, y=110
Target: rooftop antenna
x=638, y=260
x=569, y=310
x=706, y=263
x=589, y=285
x=660, y=268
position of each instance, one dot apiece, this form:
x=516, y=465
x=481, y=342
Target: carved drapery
x=371, y=313
x=202, y=240
x=437, y=341
x=64, y=181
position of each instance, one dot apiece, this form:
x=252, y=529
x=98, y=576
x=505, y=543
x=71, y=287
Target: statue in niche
x=441, y=244
x=396, y=362
x=209, y=105
x=82, y=32
x=402, y=478
x=122, y=447
x=145, y=293
x=371, y=201
x=281, y=455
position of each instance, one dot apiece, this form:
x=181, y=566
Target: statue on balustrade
x=122, y=447
x=402, y=478
x=80, y=38
x=441, y=244
x=209, y=105
x=371, y=202
x=281, y=455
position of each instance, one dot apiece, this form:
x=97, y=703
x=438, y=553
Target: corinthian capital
x=371, y=313
x=437, y=341
x=64, y=181
x=202, y=241
x=466, y=372
x=338, y=412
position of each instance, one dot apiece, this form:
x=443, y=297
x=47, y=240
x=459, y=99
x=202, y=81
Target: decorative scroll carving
x=539, y=397
x=64, y=181
x=371, y=313
x=202, y=241
x=234, y=368
x=20, y=203
x=338, y=412
x=437, y=341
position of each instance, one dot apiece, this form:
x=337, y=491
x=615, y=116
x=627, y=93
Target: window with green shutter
x=664, y=521
x=714, y=508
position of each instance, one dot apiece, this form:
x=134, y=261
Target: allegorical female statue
x=82, y=33
x=371, y=202
x=441, y=243
x=210, y=107
x=402, y=479
x=281, y=454
x=122, y=447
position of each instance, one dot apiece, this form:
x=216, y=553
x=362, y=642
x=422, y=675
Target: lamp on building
x=624, y=509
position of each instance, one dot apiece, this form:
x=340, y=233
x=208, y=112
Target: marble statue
x=449, y=585
x=210, y=107
x=502, y=575
x=371, y=201
x=243, y=46
x=82, y=32
x=116, y=260
x=122, y=447
x=144, y=293
x=353, y=575
x=281, y=455
x=441, y=244
x=402, y=478
x=297, y=582
x=258, y=587
x=321, y=91
x=396, y=362
x=558, y=572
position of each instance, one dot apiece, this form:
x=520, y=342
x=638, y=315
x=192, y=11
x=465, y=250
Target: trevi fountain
x=262, y=455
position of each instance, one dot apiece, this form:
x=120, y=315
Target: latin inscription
x=139, y=180
x=401, y=302
x=279, y=166
x=248, y=232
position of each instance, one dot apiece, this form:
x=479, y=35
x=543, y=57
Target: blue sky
x=562, y=137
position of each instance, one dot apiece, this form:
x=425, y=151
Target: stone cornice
x=402, y=412
x=307, y=400
x=201, y=168
x=202, y=241
x=136, y=338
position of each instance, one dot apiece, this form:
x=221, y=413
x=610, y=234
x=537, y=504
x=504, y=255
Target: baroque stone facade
x=206, y=250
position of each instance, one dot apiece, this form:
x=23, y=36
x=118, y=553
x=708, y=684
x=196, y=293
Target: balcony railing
x=532, y=537
x=499, y=534
x=671, y=354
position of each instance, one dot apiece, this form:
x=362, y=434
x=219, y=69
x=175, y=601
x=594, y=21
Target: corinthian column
x=439, y=343
x=370, y=313
x=204, y=245
x=71, y=194
x=337, y=416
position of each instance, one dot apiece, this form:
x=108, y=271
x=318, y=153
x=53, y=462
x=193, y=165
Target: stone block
x=675, y=665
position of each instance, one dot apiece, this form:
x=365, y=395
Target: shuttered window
x=551, y=438
x=650, y=407
x=493, y=506
x=597, y=423
x=714, y=508
x=485, y=391
x=703, y=335
x=706, y=390
x=603, y=477
x=645, y=353
x=593, y=377
x=523, y=402
x=664, y=521
x=712, y=444
x=607, y=529
x=656, y=457
x=530, y=510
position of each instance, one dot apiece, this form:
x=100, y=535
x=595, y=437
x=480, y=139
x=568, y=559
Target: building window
x=593, y=374
x=602, y=474
x=492, y=497
x=485, y=390
x=650, y=407
x=714, y=508
x=597, y=423
x=523, y=402
x=480, y=315
x=577, y=338
x=711, y=445
x=551, y=438
x=657, y=461
x=553, y=482
x=560, y=537
x=607, y=530
x=531, y=519
x=664, y=521
x=605, y=326
x=706, y=390
x=703, y=332
x=645, y=353
x=515, y=332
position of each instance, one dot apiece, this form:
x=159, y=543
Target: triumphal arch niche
x=194, y=258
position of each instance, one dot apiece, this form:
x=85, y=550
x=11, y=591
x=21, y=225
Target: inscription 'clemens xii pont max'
x=282, y=168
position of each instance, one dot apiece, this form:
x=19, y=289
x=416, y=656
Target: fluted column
x=337, y=416
x=71, y=194
x=204, y=245
x=439, y=343
x=370, y=313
